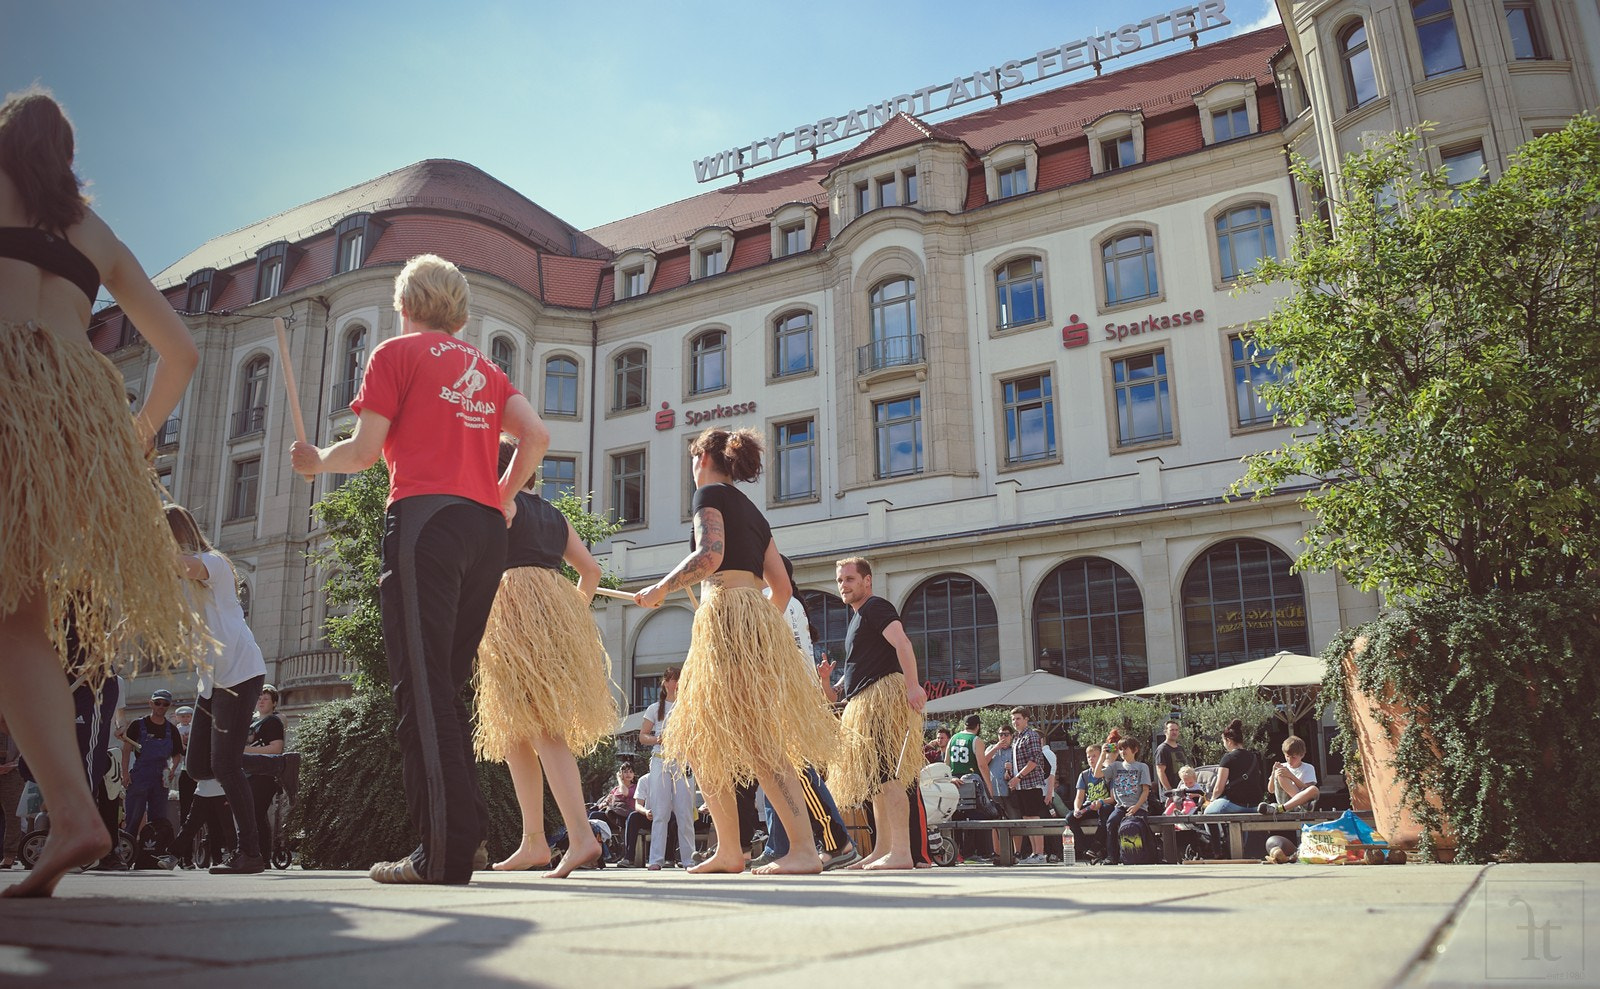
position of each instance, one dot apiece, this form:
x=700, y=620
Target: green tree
x=1205, y=717
x=1442, y=345
x=1133, y=717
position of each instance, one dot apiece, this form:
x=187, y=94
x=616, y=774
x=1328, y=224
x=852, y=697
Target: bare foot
x=578, y=856
x=800, y=862
x=70, y=845
x=865, y=863
x=533, y=853
x=891, y=863
x=731, y=864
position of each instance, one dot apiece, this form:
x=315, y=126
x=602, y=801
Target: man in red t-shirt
x=434, y=407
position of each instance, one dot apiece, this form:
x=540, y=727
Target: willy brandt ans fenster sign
x=1080, y=53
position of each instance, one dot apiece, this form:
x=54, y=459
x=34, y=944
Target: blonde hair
x=1186, y=771
x=433, y=292
x=860, y=563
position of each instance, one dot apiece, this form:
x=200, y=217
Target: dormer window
x=1116, y=140
x=272, y=269
x=201, y=285
x=710, y=250
x=793, y=225
x=1011, y=170
x=1228, y=110
x=710, y=261
x=1118, y=152
x=354, y=238
x=634, y=269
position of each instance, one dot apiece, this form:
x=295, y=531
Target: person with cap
x=184, y=718
x=159, y=748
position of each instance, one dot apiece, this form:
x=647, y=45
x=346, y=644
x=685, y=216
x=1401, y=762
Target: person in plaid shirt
x=1028, y=779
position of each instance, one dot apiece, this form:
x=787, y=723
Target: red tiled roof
x=572, y=282
x=900, y=131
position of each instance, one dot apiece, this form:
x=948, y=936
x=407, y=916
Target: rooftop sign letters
x=1079, y=53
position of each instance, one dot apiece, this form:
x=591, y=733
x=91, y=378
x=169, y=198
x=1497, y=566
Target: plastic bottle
x=1069, y=853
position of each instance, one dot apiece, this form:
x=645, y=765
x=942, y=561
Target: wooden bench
x=1164, y=826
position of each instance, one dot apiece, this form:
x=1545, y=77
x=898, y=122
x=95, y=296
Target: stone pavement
x=1409, y=926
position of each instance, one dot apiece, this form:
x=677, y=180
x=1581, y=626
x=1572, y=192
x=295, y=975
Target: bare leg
x=725, y=822
x=893, y=821
x=1306, y=796
x=527, y=777
x=783, y=791
x=565, y=785
x=880, y=837
x=38, y=707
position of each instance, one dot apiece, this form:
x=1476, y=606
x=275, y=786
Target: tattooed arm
x=709, y=541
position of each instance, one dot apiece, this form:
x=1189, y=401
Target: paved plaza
x=1410, y=926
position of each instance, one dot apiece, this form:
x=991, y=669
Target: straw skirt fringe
x=880, y=741
x=542, y=669
x=80, y=518
x=748, y=699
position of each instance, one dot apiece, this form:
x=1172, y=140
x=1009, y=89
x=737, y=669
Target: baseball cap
x=185, y=709
x=163, y=694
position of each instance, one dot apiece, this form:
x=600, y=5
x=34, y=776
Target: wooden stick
x=693, y=601
x=609, y=593
x=289, y=385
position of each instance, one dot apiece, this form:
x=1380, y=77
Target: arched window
x=1129, y=262
x=895, y=340
x=1360, y=85
x=250, y=416
x=352, y=365
x=662, y=642
x=1241, y=602
x=793, y=350
x=708, y=362
x=560, y=387
x=629, y=380
x=1088, y=618
x=954, y=631
x=1019, y=288
x=1435, y=21
x=503, y=352
x=1244, y=237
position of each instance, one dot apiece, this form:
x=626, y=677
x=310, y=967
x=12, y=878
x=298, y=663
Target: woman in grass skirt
x=748, y=705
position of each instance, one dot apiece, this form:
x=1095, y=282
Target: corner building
x=1000, y=355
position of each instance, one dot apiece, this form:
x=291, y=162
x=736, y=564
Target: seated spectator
x=1239, y=786
x=1294, y=783
x=1187, y=797
x=1091, y=799
x=934, y=750
x=616, y=806
x=1130, y=788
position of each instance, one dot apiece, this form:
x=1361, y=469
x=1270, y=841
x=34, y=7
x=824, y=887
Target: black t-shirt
x=538, y=534
x=746, y=530
x=1244, y=784
x=270, y=728
x=868, y=655
x=1172, y=757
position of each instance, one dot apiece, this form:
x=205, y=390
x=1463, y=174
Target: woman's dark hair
x=1234, y=731
x=36, y=153
x=736, y=453
x=508, y=450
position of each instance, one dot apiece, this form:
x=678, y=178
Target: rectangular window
x=711, y=262
x=899, y=432
x=1527, y=37
x=863, y=198
x=164, y=478
x=557, y=476
x=560, y=387
x=794, y=239
x=1250, y=372
x=1436, y=36
x=1230, y=123
x=1118, y=152
x=794, y=344
x=796, y=459
x=1143, y=398
x=627, y=487
x=1030, y=419
x=633, y=283
x=271, y=279
x=1462, y=165
x=1013, y=181
x=910, y=175
x=199, y=297
x=888, y=191
x=245, y=490
x=350, y=250
x=628, y=381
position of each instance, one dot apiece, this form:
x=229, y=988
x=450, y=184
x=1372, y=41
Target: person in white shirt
x=1294, y=783
x=670, y=796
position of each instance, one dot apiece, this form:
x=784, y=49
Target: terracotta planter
x=1382, y=792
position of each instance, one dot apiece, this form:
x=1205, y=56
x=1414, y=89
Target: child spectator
x=1294, y=783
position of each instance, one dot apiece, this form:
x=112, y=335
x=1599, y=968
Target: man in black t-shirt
x=876, y=648
x=1169, y=758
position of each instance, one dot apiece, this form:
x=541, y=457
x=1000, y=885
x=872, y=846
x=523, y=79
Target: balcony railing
x=167, y=438
x=889, y=352
x=344, y=392
x=247, y=422
x=320, y=666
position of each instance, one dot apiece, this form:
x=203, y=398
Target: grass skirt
x=748, y=698
x=80, y=518
x=542, y=669
x=880, y=742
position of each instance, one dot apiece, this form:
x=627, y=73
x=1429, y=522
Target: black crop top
x=538, y=535
x=746, y=529
x=53, y=254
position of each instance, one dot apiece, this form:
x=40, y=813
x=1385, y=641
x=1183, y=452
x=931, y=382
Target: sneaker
x=1031, y=860
x=244, y=865
x=979, y=860
x=654, y=867
x=1270, y=809
x=839, y=861
x=1052, y=860
x=401, y=871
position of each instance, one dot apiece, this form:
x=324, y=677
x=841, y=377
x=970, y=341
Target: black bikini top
x=53, y=254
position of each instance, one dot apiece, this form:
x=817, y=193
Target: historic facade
x=1006, y=356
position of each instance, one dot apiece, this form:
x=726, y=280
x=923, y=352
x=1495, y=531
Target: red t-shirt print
x=444, y=400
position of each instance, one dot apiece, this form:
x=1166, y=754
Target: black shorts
x=1029, y=802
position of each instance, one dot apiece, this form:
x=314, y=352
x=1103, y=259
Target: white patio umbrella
x=1036, y=689
x=632, y=722
x=1284, y=669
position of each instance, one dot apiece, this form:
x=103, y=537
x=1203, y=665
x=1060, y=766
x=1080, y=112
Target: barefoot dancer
x=435, y=407
x=544, y=679
x=880, y=743
x=747, y=708
x=98, y=551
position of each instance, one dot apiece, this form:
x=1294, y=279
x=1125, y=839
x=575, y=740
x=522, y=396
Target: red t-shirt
x=443, y=399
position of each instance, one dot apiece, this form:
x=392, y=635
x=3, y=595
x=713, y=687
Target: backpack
x=1133, y=839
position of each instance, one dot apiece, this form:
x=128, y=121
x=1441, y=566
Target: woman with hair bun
x=748, y=704
x=100, y=553
x=1239, y=781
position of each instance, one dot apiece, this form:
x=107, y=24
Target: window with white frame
x=352, y=365
x=1244, y=237
x=269, y=279
x=794, y=344
x=1355, y=58
x=503, y=352
x=794, y=239
x=892, y=308
x=1118, y=152
x=628, y=487
x=557, y=476
x=708, y=362
x=795, y=459
x=250, y=417
x=1030, y=419
x=710, y=261
x=198, y=298
x=351, y=249
x=634, y=283
x=1128, y=262
x=633, y=270
x=898, y=425
x=1435, y=22
x=560, y=386
x=1013, y=180
x=1252, y=368
x=1143, y=398
x=245, y=490
x=1527, y=33
x=629, y=380
x=1230, y=123
x=1019, y=292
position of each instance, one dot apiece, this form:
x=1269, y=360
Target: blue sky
x=196, y=118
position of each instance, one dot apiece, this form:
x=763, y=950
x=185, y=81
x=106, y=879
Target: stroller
x=1194, y=844
x=944, y=797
